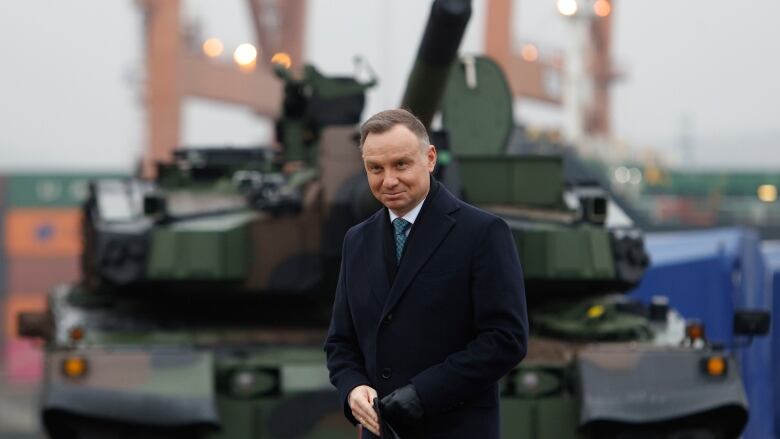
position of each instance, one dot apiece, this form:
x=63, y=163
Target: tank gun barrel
x=438, y=51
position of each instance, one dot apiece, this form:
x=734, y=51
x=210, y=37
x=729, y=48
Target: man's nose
x=390, y=180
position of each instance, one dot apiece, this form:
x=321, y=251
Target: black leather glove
x=402, y=408
x=386, y=431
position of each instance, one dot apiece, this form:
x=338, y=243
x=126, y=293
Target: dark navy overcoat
x=452, y=321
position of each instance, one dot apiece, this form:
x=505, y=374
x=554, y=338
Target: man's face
x=398, y=169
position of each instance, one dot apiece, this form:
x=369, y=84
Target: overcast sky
x=72, y=74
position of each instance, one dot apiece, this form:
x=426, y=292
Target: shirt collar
x=410, y=216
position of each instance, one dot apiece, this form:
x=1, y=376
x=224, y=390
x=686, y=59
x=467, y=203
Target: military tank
x=599, y=365
x=202, y=303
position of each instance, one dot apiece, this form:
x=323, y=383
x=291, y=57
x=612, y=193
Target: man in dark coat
x=430, y=309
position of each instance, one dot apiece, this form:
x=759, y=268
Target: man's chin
x=396, y=205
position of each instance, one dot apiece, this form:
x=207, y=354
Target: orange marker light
x=76, y=333
x=74, y=367
x=715, y=366
x=695, y=331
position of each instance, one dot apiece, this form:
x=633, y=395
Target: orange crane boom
x=175, y=70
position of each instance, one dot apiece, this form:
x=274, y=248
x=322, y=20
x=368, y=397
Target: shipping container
x=32, y=274
x=772, y=256
x=43, y=232
x=23, y=361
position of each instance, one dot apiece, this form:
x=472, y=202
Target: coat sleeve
x=501, y=322
x=344, y=358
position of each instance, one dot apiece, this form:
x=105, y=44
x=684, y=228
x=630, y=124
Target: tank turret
x=238, y=220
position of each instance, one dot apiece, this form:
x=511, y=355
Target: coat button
x=386, y=373
x=388, y=318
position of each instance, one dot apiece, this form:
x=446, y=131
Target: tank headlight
x=75, y=367
x=252, y=383
x=530, y=381
x=243, y=383
x=715, y=366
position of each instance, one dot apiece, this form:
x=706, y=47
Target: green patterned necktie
x=400, y=225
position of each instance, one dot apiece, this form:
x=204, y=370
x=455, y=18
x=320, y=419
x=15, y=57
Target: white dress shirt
x=410, y=216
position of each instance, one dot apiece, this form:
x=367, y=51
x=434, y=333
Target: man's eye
x=402, y=165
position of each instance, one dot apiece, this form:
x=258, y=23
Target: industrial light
x=282, y=59
x=622, y=175
x=74, y=367
x=213, y=47
x=529, y=52
x=245, y=56
x=635, y=175
x=602, y=8
x=767, y=193
x=567, y=7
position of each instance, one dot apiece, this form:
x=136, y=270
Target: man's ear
x=431, y=155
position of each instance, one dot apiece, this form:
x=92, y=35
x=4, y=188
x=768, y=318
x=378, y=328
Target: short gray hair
x=385, y=120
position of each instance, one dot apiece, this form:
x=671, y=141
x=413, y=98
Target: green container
x=49, y=190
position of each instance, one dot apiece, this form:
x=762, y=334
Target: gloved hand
x=403, y=408
x=386, y=431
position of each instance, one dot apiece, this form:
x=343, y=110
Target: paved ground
x=18, y=413
x=18, y=417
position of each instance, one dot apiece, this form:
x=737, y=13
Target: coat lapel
x=380, y=284
x=428, y=232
